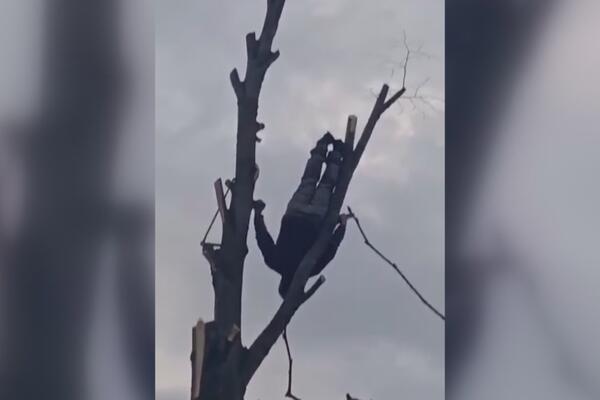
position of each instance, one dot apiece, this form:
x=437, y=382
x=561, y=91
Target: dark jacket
x=296, y=236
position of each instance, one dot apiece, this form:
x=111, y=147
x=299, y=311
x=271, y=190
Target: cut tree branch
x=350, y=135
x=238, y=85
x=221, y=204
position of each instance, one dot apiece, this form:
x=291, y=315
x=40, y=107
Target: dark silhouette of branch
x=393, y=265
x=289, y=393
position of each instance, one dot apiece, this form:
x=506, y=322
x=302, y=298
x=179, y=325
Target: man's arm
x=334, y=244
x=263, y=237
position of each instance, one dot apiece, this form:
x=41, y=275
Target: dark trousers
x=312, y=197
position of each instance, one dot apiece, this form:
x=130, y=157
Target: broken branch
x=238, y=85
x=350, y=135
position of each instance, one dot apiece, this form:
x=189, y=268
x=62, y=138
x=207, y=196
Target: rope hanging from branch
x=393, y=265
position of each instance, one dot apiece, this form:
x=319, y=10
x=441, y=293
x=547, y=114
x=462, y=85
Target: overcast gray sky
x=364, y=332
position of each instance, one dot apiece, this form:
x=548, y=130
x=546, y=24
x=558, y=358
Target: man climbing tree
x=304, y=216
x=302, y=222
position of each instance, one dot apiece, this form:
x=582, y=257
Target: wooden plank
x=350, y=133
x=220, y=199
x=198, y=343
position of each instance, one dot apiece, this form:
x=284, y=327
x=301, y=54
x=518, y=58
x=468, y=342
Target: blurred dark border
x=486, y=43
x=75, y=223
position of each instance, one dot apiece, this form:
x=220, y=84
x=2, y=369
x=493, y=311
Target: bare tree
x=227, y=365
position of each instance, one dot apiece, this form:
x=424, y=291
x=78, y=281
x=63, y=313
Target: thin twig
x=406, y=59
x=425, y=99
x=415, y=97
x=290, y=362
x=393, y=265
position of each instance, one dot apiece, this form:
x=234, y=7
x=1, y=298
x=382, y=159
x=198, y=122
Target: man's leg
x=304, y=194
x=323, y=192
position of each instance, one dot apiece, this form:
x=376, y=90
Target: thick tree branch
x=274, y=10
x=381, y=105
x=393, y=99
x=259, y=58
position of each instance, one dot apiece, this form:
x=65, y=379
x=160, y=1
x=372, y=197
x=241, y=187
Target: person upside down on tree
x=303, y=219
